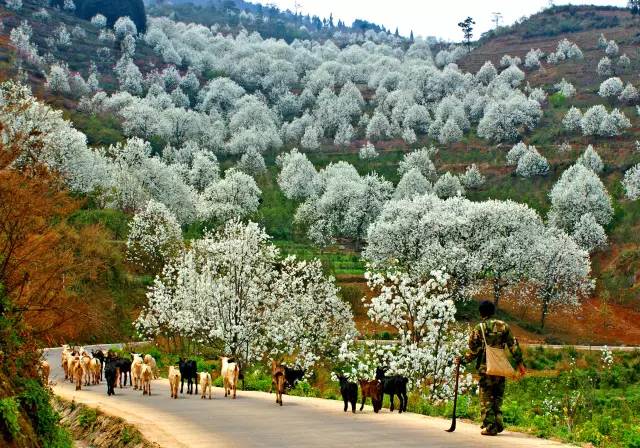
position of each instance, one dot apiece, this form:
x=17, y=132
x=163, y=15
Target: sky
x=424, y=17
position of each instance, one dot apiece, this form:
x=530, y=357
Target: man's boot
x=489, y=432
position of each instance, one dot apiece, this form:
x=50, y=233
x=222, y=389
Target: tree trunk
x=496, y=292
x=545, y=309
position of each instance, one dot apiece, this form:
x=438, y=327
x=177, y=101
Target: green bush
x=9, y=415
x=129, y=436
x=557, y=99
x=35, y=400
x=87, y=417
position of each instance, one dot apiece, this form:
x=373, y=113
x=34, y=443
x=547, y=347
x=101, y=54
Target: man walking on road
x=497, y=334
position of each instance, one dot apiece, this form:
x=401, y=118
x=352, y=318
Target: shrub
x=9, y=415
x=87, y=417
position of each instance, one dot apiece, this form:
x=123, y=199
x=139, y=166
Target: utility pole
x=497, y=17
x=297, y=6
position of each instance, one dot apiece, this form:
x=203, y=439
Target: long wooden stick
x=455, y=400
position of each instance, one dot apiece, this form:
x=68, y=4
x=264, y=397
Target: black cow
x=110, y=373
x=189, y=372
x=394, y=385
x=349, y=392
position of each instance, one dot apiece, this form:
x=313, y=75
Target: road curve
x=254, y=420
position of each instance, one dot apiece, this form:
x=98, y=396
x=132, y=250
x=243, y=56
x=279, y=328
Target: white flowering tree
x=58, y=79
x=515, y=153
x=532, y=164
x=631, y=182
x=368, y=151
x=420, y=159
x=298, y=177
x=344, y=206
x=252, y=163
x=612, y=49
x=591, y=159
x=99, y=21
x=572, y=121
x=232, y=288
x=597, y=121
x=15, y=5
x=426, y=233
x=422, y=311
x=565, y=88
x=412, y=183
x=204, y=171
x=611, y=88
x=124, y=26
x=378, y=127
x=473, y=178
x=505, y=119
x=605, y=67
x=450, y=133
x=560, y=270
x=487, y=73
x=503, y=234
x=448, y=186
x=154, y=237
x=532, y=59
x=579, y=191
x=235, y=197
x=629, y=94
x=588, y=234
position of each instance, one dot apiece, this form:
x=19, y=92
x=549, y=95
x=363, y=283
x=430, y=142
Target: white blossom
x=99, y=21
x=298, y=177
x=631, y=182
x=448, y=186
x=368, y=151
x=124, y=26
x=532, y=163
x=605, y=67
x=565, y=88
x=231, y=287
x=591, y=159
x=234, y=197
x=472, y=177
x=589, y=235
x=611, y=88
x=579, y=191
x=154, y=237
x=420, y=159
x=252, y=163
x=412, y=183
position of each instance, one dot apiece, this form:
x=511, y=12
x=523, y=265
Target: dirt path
x=254, y=420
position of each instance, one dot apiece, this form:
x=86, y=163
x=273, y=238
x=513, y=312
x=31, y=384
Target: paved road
x=254, y=420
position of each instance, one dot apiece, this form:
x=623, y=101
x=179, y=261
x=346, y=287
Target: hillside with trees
x=315, y=139
x=228, y=176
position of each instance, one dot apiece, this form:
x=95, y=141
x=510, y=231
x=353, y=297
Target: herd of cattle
x=85, y=368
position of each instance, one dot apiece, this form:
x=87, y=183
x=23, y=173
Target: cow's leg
x=362, y=404
x=391, y=408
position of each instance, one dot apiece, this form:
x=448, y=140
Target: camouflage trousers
x=491, y=395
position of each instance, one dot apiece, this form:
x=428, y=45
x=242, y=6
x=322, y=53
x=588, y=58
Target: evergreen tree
x=467, y=30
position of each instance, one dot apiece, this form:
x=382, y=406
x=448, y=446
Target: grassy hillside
x=611, y=317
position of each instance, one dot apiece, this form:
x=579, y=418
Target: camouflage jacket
x=498, y=334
